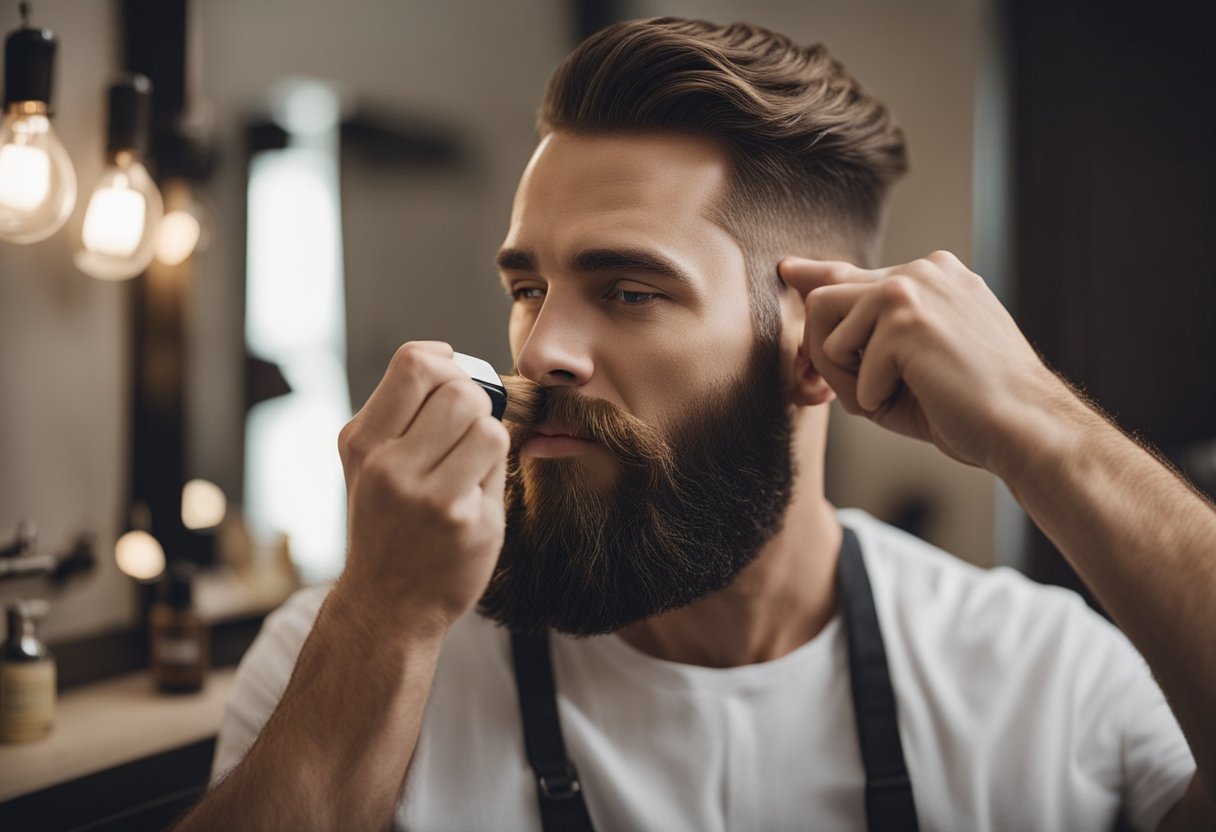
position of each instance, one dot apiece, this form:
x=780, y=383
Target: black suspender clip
x=558, y=781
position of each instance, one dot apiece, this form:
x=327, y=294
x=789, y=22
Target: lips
x=549, y=440
x=553, y=430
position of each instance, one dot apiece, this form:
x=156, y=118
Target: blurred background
x=340, y=175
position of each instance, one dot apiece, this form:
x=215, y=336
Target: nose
x=556, y=352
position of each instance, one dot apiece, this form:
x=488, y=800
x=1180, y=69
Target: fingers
x=475, y=459
x=442, y=422
x=805, y=275
x=416, y=370
x=840, y=319
x=879, y=378
x=850, y=340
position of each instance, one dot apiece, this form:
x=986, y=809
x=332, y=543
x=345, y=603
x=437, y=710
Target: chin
x=596, y=471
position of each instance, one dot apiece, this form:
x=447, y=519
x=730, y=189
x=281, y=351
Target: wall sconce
x=37, y=180
x=118, y=239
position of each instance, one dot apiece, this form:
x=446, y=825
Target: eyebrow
x=592, y=261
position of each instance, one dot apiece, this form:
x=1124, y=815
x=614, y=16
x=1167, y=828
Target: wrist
x=1044, y=436
x=386, y=623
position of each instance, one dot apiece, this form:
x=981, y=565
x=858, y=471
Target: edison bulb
x=37, y=180
x=178, y=237
x=203, y=505
x=118, y=239
x=139, y=555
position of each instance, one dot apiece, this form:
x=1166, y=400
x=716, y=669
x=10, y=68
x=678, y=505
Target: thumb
x=804, y=275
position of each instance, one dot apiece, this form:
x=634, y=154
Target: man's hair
x=812, y=153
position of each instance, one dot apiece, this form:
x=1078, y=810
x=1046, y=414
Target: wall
x=63, y=353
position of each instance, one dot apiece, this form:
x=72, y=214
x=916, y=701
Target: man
x=747, y=657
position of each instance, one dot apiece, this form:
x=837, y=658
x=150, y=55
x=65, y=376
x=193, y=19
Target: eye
x=631, y=298
x=527, y=293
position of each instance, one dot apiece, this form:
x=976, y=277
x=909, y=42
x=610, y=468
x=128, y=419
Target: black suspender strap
x=562, y=808
x=889, y=803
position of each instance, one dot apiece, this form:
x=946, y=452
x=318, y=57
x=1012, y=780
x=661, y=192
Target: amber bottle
x=180, y=642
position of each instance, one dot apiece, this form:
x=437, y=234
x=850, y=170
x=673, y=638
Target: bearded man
x=676, y=630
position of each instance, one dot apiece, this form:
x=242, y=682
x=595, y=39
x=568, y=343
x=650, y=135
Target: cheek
x=688, y=359
x=519, y=325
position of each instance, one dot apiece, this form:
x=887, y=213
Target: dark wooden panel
x=1115, y=175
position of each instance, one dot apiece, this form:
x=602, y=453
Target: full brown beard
x=688, y=511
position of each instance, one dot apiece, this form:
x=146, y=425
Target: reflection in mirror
x=295, y=318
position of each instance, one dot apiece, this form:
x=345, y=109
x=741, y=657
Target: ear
x=807, y=388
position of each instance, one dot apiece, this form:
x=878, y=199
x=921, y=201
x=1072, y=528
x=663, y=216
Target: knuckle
x=379, y=469
x=409, y=359
x=904, y=319
x=492, y=432
x=352, y=446
x=466, y=397
x=817, y=294
x=900, y=291
x=943, y=258
x=346, y=440
x=451, y=514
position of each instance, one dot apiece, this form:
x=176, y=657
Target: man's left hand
x=926, y=350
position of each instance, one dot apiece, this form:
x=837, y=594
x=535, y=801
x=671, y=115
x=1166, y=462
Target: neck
x=782, y=600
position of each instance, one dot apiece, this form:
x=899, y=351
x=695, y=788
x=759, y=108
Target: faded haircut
x=813, y=155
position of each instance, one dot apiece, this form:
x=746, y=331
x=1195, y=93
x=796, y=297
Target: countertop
x=109, y=723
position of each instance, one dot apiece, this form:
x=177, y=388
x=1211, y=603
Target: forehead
x=645, y=189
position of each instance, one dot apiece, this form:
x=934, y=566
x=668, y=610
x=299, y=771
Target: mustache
x=634, y=442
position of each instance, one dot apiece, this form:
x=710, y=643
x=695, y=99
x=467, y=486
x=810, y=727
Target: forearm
x=335, y=752
x=1143, y=542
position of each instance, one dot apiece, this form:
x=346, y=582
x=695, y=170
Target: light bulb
x=37, y=180
x=118, y=239
x=140, y=555
x=185, y=227
x=203, y=505
x=179, y=234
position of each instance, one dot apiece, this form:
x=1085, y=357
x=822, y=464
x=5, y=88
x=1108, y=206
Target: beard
x=686, y=513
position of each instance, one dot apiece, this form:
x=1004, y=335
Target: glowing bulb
x=186, y=226
x=37, y=180
x=25, y=176
x=139, y=555
x=118, y=239
x=203, y=505
x=179, y=234
x=114, y=221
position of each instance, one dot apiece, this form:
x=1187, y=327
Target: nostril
x=564, y=375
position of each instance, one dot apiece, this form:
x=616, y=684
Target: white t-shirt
x=1019, y=709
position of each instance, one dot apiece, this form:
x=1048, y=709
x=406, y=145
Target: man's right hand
x=425, y=465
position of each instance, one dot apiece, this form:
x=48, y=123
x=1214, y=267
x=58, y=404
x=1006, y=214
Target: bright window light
x=296, y=317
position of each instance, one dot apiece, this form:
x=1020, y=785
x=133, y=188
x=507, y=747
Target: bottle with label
x=180, y=644
x=27, y=677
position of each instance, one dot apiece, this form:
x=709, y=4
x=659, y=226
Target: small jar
x=27, y=677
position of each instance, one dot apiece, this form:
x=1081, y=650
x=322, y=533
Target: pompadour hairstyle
x=813, y=154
